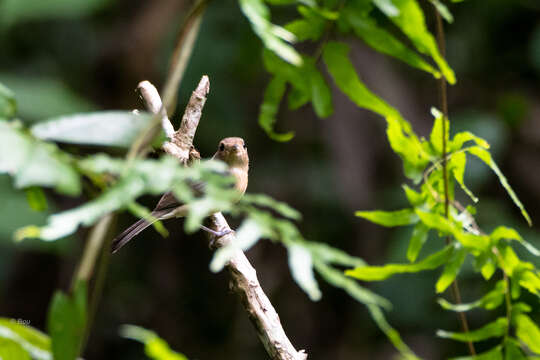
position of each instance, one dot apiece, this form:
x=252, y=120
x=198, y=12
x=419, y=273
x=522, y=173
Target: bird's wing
x=169, y=201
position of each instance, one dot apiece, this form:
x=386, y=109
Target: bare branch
x=243, y=276
x=152, y=101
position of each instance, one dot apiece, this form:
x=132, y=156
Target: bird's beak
x=236, y=148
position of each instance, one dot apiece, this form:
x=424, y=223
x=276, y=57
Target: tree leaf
x=410, y=19
x=9, y=349
x=490, y=301
x=32, y=162
x=418, y=238
x=278, y=206
x=320, y=92
x=103, y=128
x=493, y=354
x=457, y=164
x=443, y=10
x=451, y=270
x=330, y=255
x=496, y=328
x=503, y=232
x=154, y=347
x=389, y=218
x=270, y=106
x=366, y=28
x=33, y=341
x=274, y=37
x=301, y=265
x=375, y=273
x=36, y=198
x=66, y=322
x=462, y=137
x=513, y=350
x=415, y=198
x=8, y=105
x=435, y=138
x=528, y=332
x=485, y=156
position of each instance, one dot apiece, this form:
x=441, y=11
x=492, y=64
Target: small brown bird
x=232, y=151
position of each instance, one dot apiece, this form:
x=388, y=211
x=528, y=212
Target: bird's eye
x=221, y=147
x=245, y=146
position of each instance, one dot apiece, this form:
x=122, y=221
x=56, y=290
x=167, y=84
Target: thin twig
x=443, y=102
x=243, y=276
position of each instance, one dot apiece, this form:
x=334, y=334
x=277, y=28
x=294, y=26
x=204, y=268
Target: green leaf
x=15, y=11
x=359, y=293
x=457, y=164
x=493, y=354
x=154, y=347
x=103, y=128
x=274, y=37
x=330, y=255
x=375, y=273
x=512, y=350
x=418, y=238
x=366, y=27
x=445, y=226
x=9, y=349
x=410, y=20
x=451, y=270
x=485, y=156
x=503, y=232
x=320, y=92
x=278, y=206
x=33, y=341
x=270, y=106
x=443, y=10
x=391, y=333
x=435, y=137
x=8, y=105
x=387, y=7
x=336, y=58
x=301, y=265
x=528, y=332
x=66, y=322
x=496, y=328
x=390, y=218
x=32, y=162
x=310, y=27
x=41, y=97
x=490, y=301
x=415, y=198
x=463, y=137
x=36, y=198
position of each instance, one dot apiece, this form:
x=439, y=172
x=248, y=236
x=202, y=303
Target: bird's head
x=233, y=151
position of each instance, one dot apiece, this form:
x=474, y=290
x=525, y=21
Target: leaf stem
x=443, y=103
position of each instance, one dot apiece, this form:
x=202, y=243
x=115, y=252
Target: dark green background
x=71, y=56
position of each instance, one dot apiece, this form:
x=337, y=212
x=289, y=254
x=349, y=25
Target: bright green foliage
x=66, y=322
x=105, y=128
x=371, y=273
x=490, y=301
x=493, y=354
x=9, y=349
x=33, y=162
x=418, y=238
x=8, y=105
x=390, y=218
x=451, y=270
x=494, y=329
x=301, y=265
x=154, y=347
x=443, y=10
x=270, y=106
x=528, y=332
x=36, y=198
x=32, y=341
x=274, y=37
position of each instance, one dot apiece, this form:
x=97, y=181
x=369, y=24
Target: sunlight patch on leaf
x=390, y=218
x=496, y=328
x=301, y=265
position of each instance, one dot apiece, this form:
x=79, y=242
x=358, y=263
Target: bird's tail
x=134, y=230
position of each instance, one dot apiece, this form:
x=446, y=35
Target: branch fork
x=244, y=279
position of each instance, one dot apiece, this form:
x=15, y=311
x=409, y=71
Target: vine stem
x=443, y=103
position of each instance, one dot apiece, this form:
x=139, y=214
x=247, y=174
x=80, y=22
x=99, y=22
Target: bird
x=233, y=152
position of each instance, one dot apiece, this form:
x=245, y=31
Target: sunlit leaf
x=270, y=106
x=493, y=354
x=104, y=128
x=496, y=328
x=435, y=137
x=457, y=164
x=485, y=156
x=154, y=347
x=415, y=198
x=8, y=105
x=451, y=269
x=410, y=19
x=528, y=332
x=503, y=232
x=330, y=255
x=443, y=10
x=273, y=37
x=375, y=273
x=66, y=322
x=513, y=350
x=383, y=41
x=418, y=238
x=301, y=265
x=310, y=27
x=33, y=341
x=278, y=206
x=33, y=162
x=490, y=301
x=463, y=137
x=9, y=349
x=36, y=198
x=390, y=218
